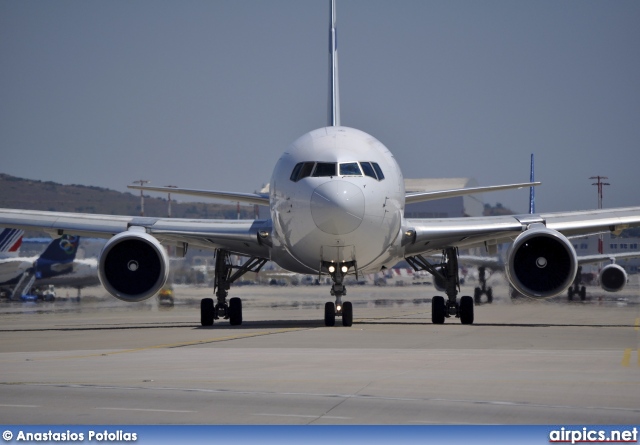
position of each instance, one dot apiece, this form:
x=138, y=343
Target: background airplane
x=337, y=200
x=10, y=242
x=56, y=265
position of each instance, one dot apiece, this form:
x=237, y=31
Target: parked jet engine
x=541, y=263
x=133, y=266
x=612, y=278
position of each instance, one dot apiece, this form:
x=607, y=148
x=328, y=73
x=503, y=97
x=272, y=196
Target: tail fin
x=334, y=91
x=61, y=250
x=532, y=191
x=10, y=240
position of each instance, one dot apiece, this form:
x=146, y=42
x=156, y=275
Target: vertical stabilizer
x=532, y=191
x=334, y=94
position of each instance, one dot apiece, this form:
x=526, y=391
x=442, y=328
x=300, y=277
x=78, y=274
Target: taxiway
x=102, y=361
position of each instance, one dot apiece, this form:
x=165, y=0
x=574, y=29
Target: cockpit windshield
x=329, y=169
x=350, y=169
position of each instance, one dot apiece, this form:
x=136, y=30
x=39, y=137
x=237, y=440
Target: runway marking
x=637, y=327
x=626, y=357
x=342, y=396
x=148, y=410
x=302, y=416
x=178, y=345
x=20, y=406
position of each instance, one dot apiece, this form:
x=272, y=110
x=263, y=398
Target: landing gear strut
x=224, y=276
x=447, y=272
x=576, y=288
x=483, y=289
x=338, y=290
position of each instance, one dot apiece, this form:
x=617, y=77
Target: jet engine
x=541, y=263
x=133, y=266
x=612, y=278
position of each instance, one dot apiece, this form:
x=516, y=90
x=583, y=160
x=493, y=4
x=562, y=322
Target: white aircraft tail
x=334, y=91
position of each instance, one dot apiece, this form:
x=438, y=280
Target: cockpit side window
x=296, y=171
x=302, y=170
x=368, y=170
x=325, y=169
x=350, y=169
x=376, y=167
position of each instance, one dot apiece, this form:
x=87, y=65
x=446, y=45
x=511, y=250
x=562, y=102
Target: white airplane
x=336, y=204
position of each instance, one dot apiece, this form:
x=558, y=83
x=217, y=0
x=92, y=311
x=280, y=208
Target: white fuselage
x=330, y=203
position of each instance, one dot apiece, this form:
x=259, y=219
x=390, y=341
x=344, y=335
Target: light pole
x=141, y=182
x=600, y=184
x=169, y=193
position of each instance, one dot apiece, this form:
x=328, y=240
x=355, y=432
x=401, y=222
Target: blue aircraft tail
x=532, y=191
x=59, y=252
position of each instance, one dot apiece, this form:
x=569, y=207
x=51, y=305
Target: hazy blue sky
x=208, y=94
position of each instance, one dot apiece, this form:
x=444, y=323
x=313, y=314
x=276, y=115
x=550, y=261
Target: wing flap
x=248, y=198
x=411, y=198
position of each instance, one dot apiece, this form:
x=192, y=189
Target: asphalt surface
x=101, y=361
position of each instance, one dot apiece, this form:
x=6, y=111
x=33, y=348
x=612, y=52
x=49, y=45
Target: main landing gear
x=483, y=289
x=576, y=288
x=447, y=271
x=224, y=276
x=338, y=290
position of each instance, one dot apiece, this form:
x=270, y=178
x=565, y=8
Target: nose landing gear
x=338, y=290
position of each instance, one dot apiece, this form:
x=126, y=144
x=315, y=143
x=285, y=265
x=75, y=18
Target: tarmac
x=102, y=361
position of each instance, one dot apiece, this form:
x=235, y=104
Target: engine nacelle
x=612, y=278
x=541, y=263
x=133, y=266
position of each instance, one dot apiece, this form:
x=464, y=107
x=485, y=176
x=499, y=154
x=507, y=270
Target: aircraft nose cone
x=337, y=207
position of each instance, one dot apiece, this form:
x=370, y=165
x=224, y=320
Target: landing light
x=338, y=308
x=332, y=269
x=344, y=269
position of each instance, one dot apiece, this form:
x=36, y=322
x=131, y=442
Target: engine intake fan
x=133, y=266
x=541, y=263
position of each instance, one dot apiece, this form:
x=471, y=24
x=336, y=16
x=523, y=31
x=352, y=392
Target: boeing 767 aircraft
x=336, y=202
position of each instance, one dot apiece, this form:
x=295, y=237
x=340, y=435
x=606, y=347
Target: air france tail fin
x=532, y=191
x=334, y=91
x=10, y=240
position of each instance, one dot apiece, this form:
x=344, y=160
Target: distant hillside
x=18, y=193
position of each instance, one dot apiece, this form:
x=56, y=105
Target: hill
x=19, y=193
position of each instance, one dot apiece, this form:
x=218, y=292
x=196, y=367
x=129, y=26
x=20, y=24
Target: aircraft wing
x=611, y=257
x=432, y=235
x=411, y=198
x=239, y=236
x=249, y=198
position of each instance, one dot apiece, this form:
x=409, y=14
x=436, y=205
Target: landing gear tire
x=207, y=312
x=347, y=314
x=235, y=311
x=438, y=310
x=477, y=294
x=490, y=295
x=329, y=314
x=583, y=293
x=570, y=294
x=466, y=310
